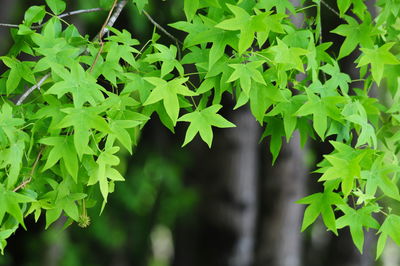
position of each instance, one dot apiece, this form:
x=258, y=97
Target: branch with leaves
x=253, y=54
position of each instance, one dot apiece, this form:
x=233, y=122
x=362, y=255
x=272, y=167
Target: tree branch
x=116, y=9
x=111, y=18
x=31, y=89
x=330, y=8
x=161, y=28
x=67, y=14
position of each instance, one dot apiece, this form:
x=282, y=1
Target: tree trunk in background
x=228, y=174
x=231, y=195
x=7, y=10
x=280, y=240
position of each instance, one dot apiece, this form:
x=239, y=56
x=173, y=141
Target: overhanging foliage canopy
x=65, y=115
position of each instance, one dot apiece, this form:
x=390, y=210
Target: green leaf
x=105, y=172
x=260, y=101
x=83, y=120
x=62, y=148
x=280, y=5
x=118, y=128
x=320, y=204
x=13, y=157
x=288, y=56
x=80, y=84
x=378, y=58
x=390, y=227
x=201, y=122
x=248, y=25
x=34, y=14
x=4, y=234
x=18, y=70
x=246, y=73
x=275, y=129
x=168, y=58
x=9, y=123
x=347, y=170
x=190, y=7
x=355, y=34
x=338, y=79
x=168, y=91
x=56, y=6
x=378, y=176
x=356, y=220
x=10, y=204
x=140, y=4
x=343, y=6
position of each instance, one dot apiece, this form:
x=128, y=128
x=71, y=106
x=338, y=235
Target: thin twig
x=100, y=36
x=101, y=33
x=31, y=89
x=111, y=19
x=82, y=11
x=161, y=28
x=330, y=8
x=67, y=14
x=27, y=181
x=6, y=25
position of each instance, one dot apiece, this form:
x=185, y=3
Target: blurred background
x=194, y=206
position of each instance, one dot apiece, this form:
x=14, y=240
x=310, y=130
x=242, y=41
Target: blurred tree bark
x=7, y=15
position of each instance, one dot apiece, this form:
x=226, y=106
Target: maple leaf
x=118, y=128
x=377, y=176
x=12, y=157
x=356, y=220
x=103, y=171
x=8, y=122
x=338, y=79
x=288, y=108
x=80, y=84
x=204, y=32
x=355, y=34
x=320, y=204
x=321, y=108
x=62, y=148
x=83, y=120
x=249, y=25
x=274, y=128
x=245, y=73
x=390, y=227
x=201, y=121
x=378, y=58
x=168, y=91
x=347, y=170
x=190, y=7
x=168, y=58
x=18, y=70
x=62, y=198
x=10, y=204
x=288, y=56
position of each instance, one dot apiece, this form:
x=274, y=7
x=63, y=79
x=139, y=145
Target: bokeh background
x=194, y=206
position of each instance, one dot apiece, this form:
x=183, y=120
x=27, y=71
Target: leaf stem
x=27, y=181
x=158, y=26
